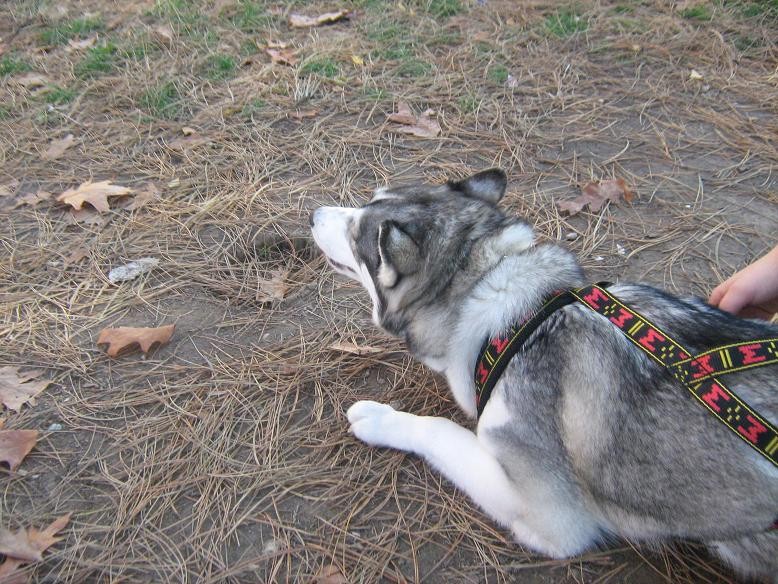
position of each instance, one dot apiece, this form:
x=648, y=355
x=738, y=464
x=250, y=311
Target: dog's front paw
x=381, y=425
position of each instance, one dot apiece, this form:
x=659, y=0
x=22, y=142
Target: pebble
x=571, y=236
x=55, y=427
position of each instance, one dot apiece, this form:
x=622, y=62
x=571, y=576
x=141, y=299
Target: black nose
x=310, y=218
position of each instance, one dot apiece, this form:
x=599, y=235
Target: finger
x=718, y=293
x=734, y=300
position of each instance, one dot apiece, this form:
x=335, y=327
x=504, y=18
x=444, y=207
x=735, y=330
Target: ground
x=223, y=456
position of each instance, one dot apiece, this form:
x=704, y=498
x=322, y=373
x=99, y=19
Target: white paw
x=381, y=425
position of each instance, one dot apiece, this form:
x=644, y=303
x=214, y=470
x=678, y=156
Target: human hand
x=753, y=291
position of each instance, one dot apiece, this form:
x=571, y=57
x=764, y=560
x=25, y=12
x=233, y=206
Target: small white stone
x=55, y=427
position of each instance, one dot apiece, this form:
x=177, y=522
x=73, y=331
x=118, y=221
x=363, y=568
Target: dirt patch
x=223, y=456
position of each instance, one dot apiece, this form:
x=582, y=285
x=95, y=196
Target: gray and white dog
x=584, y=437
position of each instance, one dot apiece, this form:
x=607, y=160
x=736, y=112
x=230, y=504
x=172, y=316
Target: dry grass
x=223, y=457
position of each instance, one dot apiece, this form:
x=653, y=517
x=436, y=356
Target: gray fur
x=603, y=427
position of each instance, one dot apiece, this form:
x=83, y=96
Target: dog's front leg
x=450, y=448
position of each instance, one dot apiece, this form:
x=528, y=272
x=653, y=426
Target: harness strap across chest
x=699, y=374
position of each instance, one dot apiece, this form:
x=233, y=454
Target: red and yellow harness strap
x=699, y=374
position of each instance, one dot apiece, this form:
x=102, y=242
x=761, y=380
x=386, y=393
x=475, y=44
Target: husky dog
x=584, y=437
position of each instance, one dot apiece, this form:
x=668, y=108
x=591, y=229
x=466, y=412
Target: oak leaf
x=150, y=192
x=32, y=199
x=96, y=194
x=124, y=338
x=302, y=21
x=595, y=195
x=423, y=126
x=57, y=147
x=85, y=216
x=330, y=574
x=18, y=388
x=274, y=288
x=15, y=445
x=282, y=56
x=302, y=114
x=25, y=546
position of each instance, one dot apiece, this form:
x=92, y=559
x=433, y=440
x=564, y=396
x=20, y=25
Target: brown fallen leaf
x=422, y=126
x=31, y=80
x=96, y=194
x=77, y=45
x=275, y=288
x=163, y=35
x=17, y=545
x=85, y=216
x=282, y=56
x=32, y=199
x=302, y=114
x=18, y=388
x=123, y=338
x=330, y=574
x=187, y=142
x=76, y=256
x=149, y=192
x=302, y=21
x=57, y=147
x=277, y=44
x=596, y=195
x=346, y=347
x=15, y=445
x=29, y=542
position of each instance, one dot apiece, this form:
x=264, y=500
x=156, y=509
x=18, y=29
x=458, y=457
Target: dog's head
x=408, y=245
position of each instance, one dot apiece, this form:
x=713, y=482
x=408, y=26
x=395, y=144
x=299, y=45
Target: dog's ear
x=399, y=254
x=487, y=185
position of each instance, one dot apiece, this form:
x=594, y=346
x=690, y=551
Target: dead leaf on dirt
x=596, y=195
x=302, y=21
x=26, y=543
x=189, y=141
x=78, y=45
x=282, y=56
x=149, y=192
x=17, y=388
x=163, y=35
x=422, y=126
x=354, y=349
x=57, y=147
x=32, y=199
x=275, y=288
x=277, y=44
x=31, y=80
x=301, y=114
x=76, y=256
x=123, y=338
x=15, y=445
x=85, y=216
x=330, y=574
x=96, y=194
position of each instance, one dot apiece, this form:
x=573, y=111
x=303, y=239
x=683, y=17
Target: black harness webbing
x=699, y=374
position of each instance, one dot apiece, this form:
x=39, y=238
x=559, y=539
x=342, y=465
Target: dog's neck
x=512, y=288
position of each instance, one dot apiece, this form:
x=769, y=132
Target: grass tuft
x=699, y=12
x=57, y=95
x=62, y=32
x=10, y=65
x=565, y=23
x=163, y=101
x=324, y=66
x=97, y=61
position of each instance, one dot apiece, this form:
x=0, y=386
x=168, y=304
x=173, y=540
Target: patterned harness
x=700, y=374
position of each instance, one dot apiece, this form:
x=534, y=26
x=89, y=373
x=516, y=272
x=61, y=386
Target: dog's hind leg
x=751, y=556
x=457, y=453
